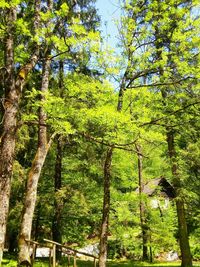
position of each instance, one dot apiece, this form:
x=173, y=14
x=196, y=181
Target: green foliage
x=195, y=248
x=163, y=228
x=161, y=56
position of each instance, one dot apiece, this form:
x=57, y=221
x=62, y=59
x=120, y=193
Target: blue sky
x=110, y=12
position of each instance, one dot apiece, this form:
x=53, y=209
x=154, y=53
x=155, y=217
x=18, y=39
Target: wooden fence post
x=75, y=260
x=54, y=255
x=50, y=252
x=68, y=259
x=95, y=263
x=69, y=251
x=33, y=253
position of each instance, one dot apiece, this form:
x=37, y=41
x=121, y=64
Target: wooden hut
x=159, y=189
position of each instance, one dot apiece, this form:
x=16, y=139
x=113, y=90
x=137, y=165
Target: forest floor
x=10, y=261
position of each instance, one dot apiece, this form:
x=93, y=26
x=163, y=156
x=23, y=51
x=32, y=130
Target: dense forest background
x=76, y=152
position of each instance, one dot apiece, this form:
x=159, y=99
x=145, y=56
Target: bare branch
x=114, y=145
x=138, y=75
x=158, y=84
x=170, y=113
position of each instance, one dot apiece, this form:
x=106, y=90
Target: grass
x=146, y=264
x=10, y=261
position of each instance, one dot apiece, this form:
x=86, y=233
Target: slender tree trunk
x=121, y=93
x=106, y=210
x=33, y=176
x=186, y=256
x=150, y=250
x=106, y=202
x=58, y=205
x=183, y=235
x=144, y=227
x=57, y=223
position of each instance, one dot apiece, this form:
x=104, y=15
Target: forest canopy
x=100, y=145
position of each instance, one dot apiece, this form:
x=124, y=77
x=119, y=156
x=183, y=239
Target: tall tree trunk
x=40, y=156
x=58, y=205
x=106, y=210
x=183, y=235
x=13, y=91
x=144, y=227
x=121, y=93
x=36, y=224
x=33, y=176
x=7, y=147
x=106, y=202
x=186, y=256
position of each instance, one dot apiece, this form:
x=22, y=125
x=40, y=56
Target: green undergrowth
x=10, y=261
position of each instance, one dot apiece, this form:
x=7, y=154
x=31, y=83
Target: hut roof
x=159, y=186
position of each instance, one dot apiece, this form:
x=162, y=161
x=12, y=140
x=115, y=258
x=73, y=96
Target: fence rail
x=70, y=252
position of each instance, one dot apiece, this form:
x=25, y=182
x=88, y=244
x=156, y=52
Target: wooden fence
x=64, y=250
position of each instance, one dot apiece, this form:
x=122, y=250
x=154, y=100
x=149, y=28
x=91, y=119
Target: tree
x=154, y=35
x=13, y=86
x=52, y=21
x=107, y=176
x=57, y=222
x=105, y=139
x=106, y=210
x=144, y=226
x=34, y=174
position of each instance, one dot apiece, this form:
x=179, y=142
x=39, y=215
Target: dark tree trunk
x=12, y=242
x=106, y=202
x=186, y=257
x=121, y=92
x=106, y=210
x=143, y=223
x=58, y=205
x=33, y=176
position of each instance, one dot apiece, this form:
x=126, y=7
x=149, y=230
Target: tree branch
x=158, y=84
x=26, y=69
x=170, y=113
x=138, y=75
x=114, y=145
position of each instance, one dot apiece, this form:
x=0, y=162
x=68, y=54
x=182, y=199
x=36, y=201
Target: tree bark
x=7, y=146
x=57, y=223
x=58, y=205
x=186, y=257
x=33, y=176
x=106, y=202
x=13, y=90
x=106, y=210
x=144, y=227
x=121, y=93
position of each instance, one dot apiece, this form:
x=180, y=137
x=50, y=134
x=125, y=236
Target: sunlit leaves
x=64, y=9
x=4, y=4
x=22, y=27
x=113, y=126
